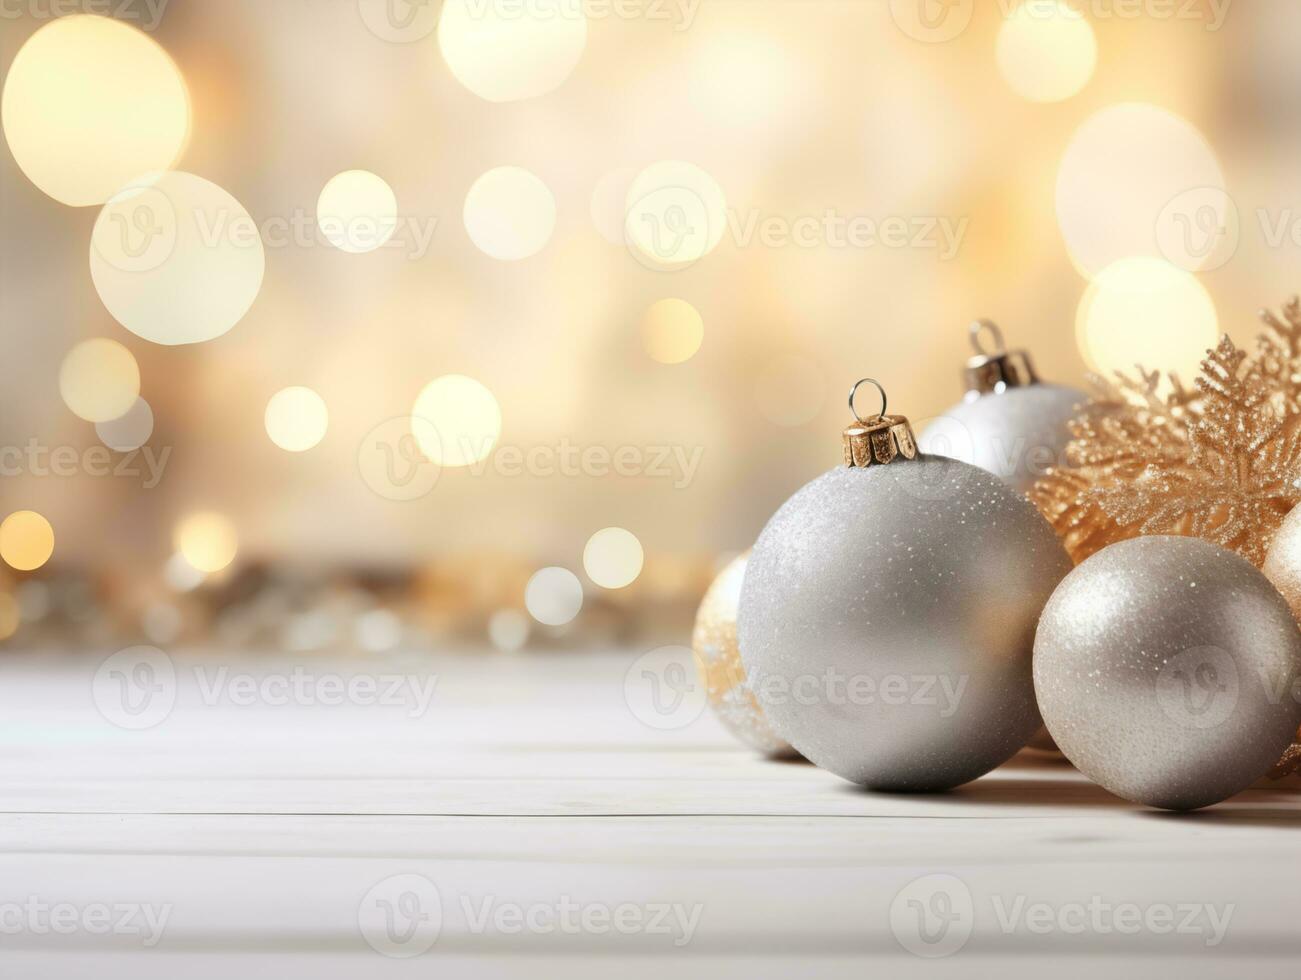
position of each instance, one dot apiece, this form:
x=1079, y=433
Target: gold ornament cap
x=877, y=439
x=994, y=371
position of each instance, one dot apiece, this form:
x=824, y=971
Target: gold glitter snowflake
x=1220, y=462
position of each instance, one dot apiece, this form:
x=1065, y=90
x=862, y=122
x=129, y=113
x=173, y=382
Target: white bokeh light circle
x=553, y=596
x=461, y=420
x=509, y=213
x=357, y=211
x=176, y=259
x=613, y=558
x=296, y=419
x=130, y=431
x=503, y=50
x=1046, y=50
x=1122, y=169
x=675, y=214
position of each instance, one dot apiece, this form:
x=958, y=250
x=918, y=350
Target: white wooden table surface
x=281, y=840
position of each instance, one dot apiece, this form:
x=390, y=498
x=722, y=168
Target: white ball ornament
x=888, y=613
x=1167, y=671
x=1009, y=422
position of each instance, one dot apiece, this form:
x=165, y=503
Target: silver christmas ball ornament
x=1167, y=671
x=888, y=613
x=1009, y=423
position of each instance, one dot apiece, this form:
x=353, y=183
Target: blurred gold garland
x=1221, y=461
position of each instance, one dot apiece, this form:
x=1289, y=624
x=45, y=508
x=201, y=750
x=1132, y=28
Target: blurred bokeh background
x=661, y=237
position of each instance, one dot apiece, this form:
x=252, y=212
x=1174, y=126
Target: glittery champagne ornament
x=719, y=660
x=1167, y=670
x=1009, y=422
x=888, y=613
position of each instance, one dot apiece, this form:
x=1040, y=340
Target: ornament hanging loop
x=879, y=438
x=854, y=392
x=993, y=372
x=979, y=327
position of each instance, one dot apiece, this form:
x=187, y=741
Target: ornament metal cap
x=994, y=371
x=879, y=438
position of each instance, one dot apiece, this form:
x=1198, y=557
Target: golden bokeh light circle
x=460, y=421
x=357, y=211
x=26, y=540
x=206, y=540
x=89, y=104
x=296, y=419
x=503, y=50
x=1145, y=311
x=1046, y=50
x=176, y=259
x=672, y=331
x=99, y=380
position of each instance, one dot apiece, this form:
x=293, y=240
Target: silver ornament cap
x=1167, y=671
x=888, y=612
